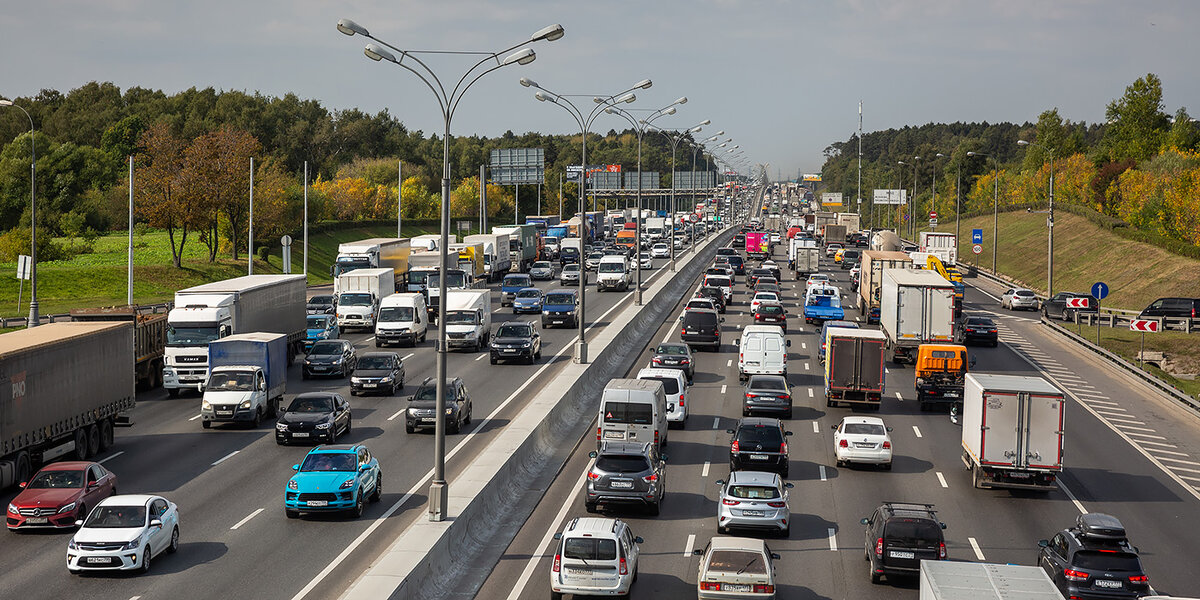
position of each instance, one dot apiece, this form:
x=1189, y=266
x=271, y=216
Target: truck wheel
x=976, y=479
x=93, y=435
x=206, y=424
x=24, y=468
x=173, y=392
x=81, y=444
x=106, y=434
x=377, y=344
x=257, y=417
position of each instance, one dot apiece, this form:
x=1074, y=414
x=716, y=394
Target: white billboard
x=890, y=197
x=831, y=199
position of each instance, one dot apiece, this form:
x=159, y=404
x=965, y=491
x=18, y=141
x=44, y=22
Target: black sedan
x=313, y=416
x=674, y=356
x=381, y=372
x=330, y=357
x=321, y=305
x=979, y=330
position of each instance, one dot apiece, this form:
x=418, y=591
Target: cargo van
x=674, y=388
x=632, y=410
x=402, y=319
x=762, y=350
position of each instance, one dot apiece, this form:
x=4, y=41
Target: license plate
x=758, y=457
x=861, y=445
x=735, y=587
x=317, y=503
x=224, y=413
x=672, y=362
x=1020, y=475
x=509, y=351
x=899, y=554
x=951, y=394
x=300, y=434
x=1109, y=583
x=622, y=485
x=426, y=419
x=752, y=513
x=578, y=572
x=614, y=435
x=318, y=368
x=98, y=560
x=370, y=385
x=37, y=520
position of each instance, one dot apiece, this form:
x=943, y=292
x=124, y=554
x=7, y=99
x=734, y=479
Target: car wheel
x=291, y=514
x=723, y=530
x=333, y=435
x=1068, y=315
x=408, y=428
x=493, y=360
x=887, y=467
x=146, y=561
x=304, y=374
x=205, y=424
x=783, y=472
x=467, y=421
x=455, y=426
x=359, y=506
x=352, y=392
x=377, y=344
x=786, y=533
x=174, y=547
x=655, y=509
x=377, y=493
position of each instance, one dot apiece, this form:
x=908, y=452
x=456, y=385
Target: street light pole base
x=581, y=356
x=439, y=494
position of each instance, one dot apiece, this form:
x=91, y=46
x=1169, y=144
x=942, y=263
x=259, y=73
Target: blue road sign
x=1100, y=290
x=976, y=236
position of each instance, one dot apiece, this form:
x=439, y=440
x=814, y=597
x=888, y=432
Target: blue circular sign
x=1100, y=290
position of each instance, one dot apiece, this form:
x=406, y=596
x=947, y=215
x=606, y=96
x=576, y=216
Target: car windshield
x=428, y=393
x=1024, y=293
x=718, y=282
x=519, y=281
x=863, y=429
x=559, y=299
x=588, y=548
x=318, y=322
x=571, y=268
x=612, y=267
x=671, y=349
x=533, y=293
x=622, y=464
x=737, y=561
x=116, y=517
x=56, y=480
x=768, y=296
x=670, y=385
x=912, y=532
x=329, y=461
x=320, y=300
x=981, y=322
x=318, y=404
x=325, y=349
x=222, y=381
x=374, y=362
x=541, y=265
x=753, y=492
x=355, y=300
x=760, y=434
x=514, y=331
x=629, y=413
x=1106, y=561
x=191, y=336
x=461, y=317
x=402, y=314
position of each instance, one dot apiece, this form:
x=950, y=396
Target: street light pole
x=995, y=204
x=1049, y=220
x=675, y=135
x=933, y=184
x=34, y=318
x=899, y=230
x=448, y=103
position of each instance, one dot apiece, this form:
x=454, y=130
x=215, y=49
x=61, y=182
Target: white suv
x=594, y=556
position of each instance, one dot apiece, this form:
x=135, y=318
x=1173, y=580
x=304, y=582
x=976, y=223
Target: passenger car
x=1014, y=298
x=760, y=297
x=334, y=478
x=645, y=261
x=516, y=339
x=378, y=372
x=768, y=394
x=313, y=416
x=979, y=329
x=594, y=556
x=735, y=567
x=898, y=536
x=1187, y=308
x=660, y=250
x=831, y=250
x=319, y=327
x=60, y=494
x=770, y=313
x=124, y=533
x=850, y=258
x=1057, y=306
x=758, y=443
x=816, y=279
x=321, y=305
x=560, y=307
x=1094, y=560
x=675, y=389
x=754, y=500
x=863, y=440
x=705, y=303
x=716, y=294
x=527, y=300
x=421, y=412
x=674, y=356
x=592, y=261
x=626, y=473
x=330, y=357
x=570, y=274
x=511, y=284
x=541, y=270
x=701, y=328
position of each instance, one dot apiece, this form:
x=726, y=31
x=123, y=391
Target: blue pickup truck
x=823, y=303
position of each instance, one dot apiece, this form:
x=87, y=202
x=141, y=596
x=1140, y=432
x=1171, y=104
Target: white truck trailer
x=374, y=253
x=497, y=257
x=944, y=245
x=1012, y=431
x=952, y=580
x=915, y=307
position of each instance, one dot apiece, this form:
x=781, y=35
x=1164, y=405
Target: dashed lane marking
x=832, y=539
x=247, y=519
x=226, y=457
x=480, y=357
x=975, y=547
x=398, y=413
x=816, y=427
x=1180, y=461
x=899, y=397
x=691, y=541
x=409, y=355
x=916, y=430
x=821, y=471
x=194, y=418
x=704, y=471
x=106, y=459
x=941, y=479
x=729, y=363
x=723, y=389
x=716, y=422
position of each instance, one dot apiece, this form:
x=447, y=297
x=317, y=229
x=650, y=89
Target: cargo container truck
x=543, y=222
x=524, y=245
x=833, y=234
x=211, y=311
x=362, y=291
x=66, y=386
x=374, y=253
x=854, y=372
x=247, y=377
x=431, y=241
x=942, y=245
x=758, y=244
x=915, y=307
x=852, y=221
x=1012, y=431
x=149, y=338
x=471, y=260
x=803, y=257
x=870, y=279
x=497, y=258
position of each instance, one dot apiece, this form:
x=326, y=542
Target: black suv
x=626, y=473
x=422, y=407
x=1186, y=308
x=701, y=327
x=759, y=444
x=1093, y=559
x=516, y=340
x=899, y=536
x=1057, y=306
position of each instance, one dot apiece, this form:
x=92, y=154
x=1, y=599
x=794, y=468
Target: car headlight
x=292, y=485
x=347, y=484
x=337, y=360
x=12, y=508
x=387, y=379
x=281, y=427
x=412, y=411
x=244, y=404
x=526, y=344
x=356, y=380
x=449, y=411
x=324, y=425
x=67, y=508
x=133, y=544
x=205, y=405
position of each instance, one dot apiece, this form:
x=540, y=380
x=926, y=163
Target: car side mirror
x=774, y=556
x=833, y=427
x=592, y=454
x=93, y=485
x=558, y=536
x=787, y=433
x=788, y=486
x=156, y=524
x=665, y=457
x=729, y=431
x=888, y=428
x=698, y=552
x=23, y=484
x=1044, y=543
x=865, y=521
x=638, y=540
x=971, y=363
x=722, y=319
x=295, y=467
x=789, y=343
x=943, y=525
x=200, y=387
x=79, y=523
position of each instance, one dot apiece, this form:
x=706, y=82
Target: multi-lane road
x=1128, y=452
x=228, y=481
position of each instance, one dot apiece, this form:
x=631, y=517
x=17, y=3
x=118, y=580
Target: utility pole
x=860, y=157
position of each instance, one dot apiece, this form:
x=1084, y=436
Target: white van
x=762, y=350
x=632, y=410
x=674, y=388
x=612, y=273
x=468, y=319
x=402, y=320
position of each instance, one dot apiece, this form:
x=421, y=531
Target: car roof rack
x=910, y=505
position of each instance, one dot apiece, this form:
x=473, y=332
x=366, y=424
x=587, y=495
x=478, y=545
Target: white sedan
x=124, y=533
x=862, y=440
x=646, y=261
x=816, y=279
x=660, y=250
x=761, y=297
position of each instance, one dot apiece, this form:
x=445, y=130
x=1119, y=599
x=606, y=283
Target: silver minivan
x=632, y=410
x=594, y=556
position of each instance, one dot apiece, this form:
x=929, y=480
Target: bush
x=16, y=242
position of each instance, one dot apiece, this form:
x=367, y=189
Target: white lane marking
x=1181, y=461
x=480, y=357
x=816, y=427
x=1122, y=422
x=247, y=519
x=409, y=355
x=691, y=542
x=739, y=326
x=398, y=413
x=805, y=366
x=704, y=472
x=1074, y=500
x=1186, y=470
x=369, y=340
x=975, y=547
x=723, y=389
x=821, y=470
x=832, y=539
x=1156, y=450
x=716, y=422
x=729, y=363
x=1123, y=426
x=194, y=418
x=226, y=457
x=1189, y=478
x=104, y=460
x=1143, y=435
x=941, y=478
x=810, y=392
x=1104, y=402
x=135, y=598
x=1144, y=442
x=899, y=397
x=803, y=346
x=886, y=371
x=1110, y=409
x=519, y=588
x=916, y=431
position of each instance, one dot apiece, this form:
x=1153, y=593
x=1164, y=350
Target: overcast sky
x=782, y=78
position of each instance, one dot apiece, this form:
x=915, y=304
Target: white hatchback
x=863, y=440
x=124, y=533
x=674, y=383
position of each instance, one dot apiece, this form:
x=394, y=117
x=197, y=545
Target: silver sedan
x=754, y=500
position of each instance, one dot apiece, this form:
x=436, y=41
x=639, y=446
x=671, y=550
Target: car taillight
x=941, y=550
x=709, y=586
x=651, y=478
x=597, y=434
x=763, y=589
x=843, y=444
x=750, y=395
x=1073, y=575
x=777, y=504
x=624, y=567
x=785, y=397
x=657, y=361
x=1138, y=579
x=684, y=361
x=783, y=448
x=593, y=476
x=879, y=547
x=656, y=437
x=682, y=331
x=887, y=445
x=968, y=330
x=557, y=563
x=734, y=446
x=728, y=502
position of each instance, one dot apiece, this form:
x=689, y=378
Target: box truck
x=374, y=253
x=247, y=376
x=854, y=372
x=1012, y=431
x=524, y=245
x=211, y=311
x=468, y=319
x=803, y=257
x=942, y=245
x=953, y=580
x=758, y=244
x=149, y=338
x=915, y=307
x=471, y=260
x=66, y=386
x=833, y=233
x=870, y=279
x=542, y=222
x=850, y=220
x=361, y=292
x=431, y=241
x=497, y=256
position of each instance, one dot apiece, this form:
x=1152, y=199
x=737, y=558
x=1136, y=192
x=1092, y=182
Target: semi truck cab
x=189, y=330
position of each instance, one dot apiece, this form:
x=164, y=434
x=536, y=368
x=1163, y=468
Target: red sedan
x=60, y=494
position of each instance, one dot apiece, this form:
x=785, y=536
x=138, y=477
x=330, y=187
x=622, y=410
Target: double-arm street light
x=675, y=135
x=585, y=122
x=640, y=127
x=933, y=185
x=696, y=148
x=899, y=226
x=1049, y=219
x=34, y=318
x=448, y=103
x=995, y=203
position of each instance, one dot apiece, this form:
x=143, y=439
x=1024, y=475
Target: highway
x=229, y=481
x=1128, y=452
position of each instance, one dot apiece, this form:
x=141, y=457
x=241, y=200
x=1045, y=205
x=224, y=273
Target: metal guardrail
x=66, y=317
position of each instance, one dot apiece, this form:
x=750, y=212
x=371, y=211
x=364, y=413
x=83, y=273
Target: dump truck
x=149, y=338
x=941, y=371
x=854, y=371
x=211, y=311
x=66, y=385
x=247, y=377
x=870, y=279
x=915, y=307
x=1012, y=431
x=374, y=253
x=497, y=256
x=524, y=245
